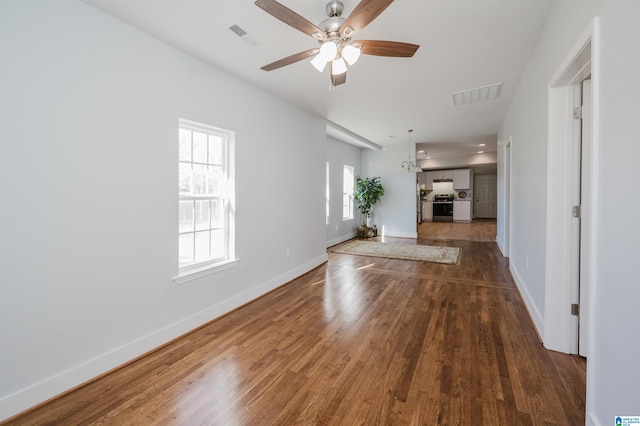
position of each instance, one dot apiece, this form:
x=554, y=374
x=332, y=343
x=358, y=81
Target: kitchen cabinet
x=427, y=211
x=422, y=179
x=428, y=181
x=443, y=174
x=462, y=179
x=462, y=211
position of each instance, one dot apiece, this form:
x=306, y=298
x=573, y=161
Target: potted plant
x=367, y=192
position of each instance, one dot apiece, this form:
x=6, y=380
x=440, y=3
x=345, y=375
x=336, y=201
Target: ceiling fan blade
x=291, y=18
x=339, y=79
x=395, y=49
x=291, y=59
x=365, y=12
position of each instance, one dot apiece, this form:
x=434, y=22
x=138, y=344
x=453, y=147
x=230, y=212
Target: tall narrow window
x=206, y=195
x=327, y=193
x=347, y=192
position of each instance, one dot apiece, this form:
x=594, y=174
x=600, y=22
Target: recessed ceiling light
x=428, y=158
x=482, y=144
x=420, y=152
x=480, y=152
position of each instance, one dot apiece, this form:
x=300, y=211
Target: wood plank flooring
x=356, y=341
x=478, y=230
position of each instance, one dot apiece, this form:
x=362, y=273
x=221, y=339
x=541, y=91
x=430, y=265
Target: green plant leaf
x=367, y=193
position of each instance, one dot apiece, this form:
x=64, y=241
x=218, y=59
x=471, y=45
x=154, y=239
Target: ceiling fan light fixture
x=328, y=50
x=350, y=53
x=334, y=35
x=339, y=67
x=319, y=62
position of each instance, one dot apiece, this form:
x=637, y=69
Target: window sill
x=194, y=274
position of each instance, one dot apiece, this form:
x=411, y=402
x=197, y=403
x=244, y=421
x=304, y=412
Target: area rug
x=447, y=255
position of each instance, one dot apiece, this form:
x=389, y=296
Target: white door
x=584, y=237
x=486, y=200
x=581, y=218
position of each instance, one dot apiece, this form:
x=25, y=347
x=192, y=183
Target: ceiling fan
x=334, y=35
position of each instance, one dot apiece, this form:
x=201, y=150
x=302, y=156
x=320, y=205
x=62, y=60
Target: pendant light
x=410, y=166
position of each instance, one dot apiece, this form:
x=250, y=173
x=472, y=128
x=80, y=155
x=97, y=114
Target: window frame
x=226, y=196
x=327, y=193
x=349, y=193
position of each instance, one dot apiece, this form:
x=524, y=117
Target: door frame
x=504, y=205
x=560, y=330
x=503, y=237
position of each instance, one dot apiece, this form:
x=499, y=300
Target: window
x=206, y=195
x=327, y=191
x=347, y=193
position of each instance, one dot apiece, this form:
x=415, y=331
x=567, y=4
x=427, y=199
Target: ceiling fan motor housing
x=331, y=26
x=334, y=8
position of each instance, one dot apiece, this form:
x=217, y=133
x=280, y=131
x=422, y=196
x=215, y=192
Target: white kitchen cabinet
x=427, y=211
x=462, y=211
x=422, y=179
x=462, y=179
x=443, y=174
x=428, y=181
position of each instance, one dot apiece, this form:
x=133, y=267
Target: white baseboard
x=500, y=246
x=52, y=386
x=537, y=318
x=341, y=239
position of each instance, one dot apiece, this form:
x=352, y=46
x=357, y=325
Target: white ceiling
x=464, y=44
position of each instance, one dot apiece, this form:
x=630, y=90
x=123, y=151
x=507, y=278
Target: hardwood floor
x=356, y=341
x=478, y=230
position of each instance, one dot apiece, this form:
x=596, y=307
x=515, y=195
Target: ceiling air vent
x=478, y=94
x=242, y=34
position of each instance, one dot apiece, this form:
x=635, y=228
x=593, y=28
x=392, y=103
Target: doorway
x=570, y=237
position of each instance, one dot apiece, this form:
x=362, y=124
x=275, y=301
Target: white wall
x=340, y=154
x=396, y=212
x=612, y=367
x=88, y=182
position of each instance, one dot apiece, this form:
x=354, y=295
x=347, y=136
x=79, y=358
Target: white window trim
x=327, y=193
x=202, y=271
x=351, y=198
x=199, y=270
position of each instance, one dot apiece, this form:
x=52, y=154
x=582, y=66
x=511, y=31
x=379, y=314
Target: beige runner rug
x=447, y=255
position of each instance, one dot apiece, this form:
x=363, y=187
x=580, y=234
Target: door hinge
x=577, y=113
x=575, y=309
x=576, y=211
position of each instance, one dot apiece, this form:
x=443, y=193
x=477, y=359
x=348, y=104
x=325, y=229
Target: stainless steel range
x=443, y=208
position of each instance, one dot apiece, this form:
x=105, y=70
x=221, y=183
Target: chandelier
x=410, y=166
